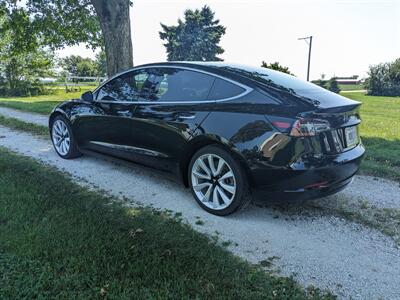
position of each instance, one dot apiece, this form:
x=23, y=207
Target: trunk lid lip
x=341, y=117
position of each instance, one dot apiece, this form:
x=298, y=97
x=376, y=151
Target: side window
x=170, y=84
x=126, y=87
x=223, y=89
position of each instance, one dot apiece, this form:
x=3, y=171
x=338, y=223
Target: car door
x=165, y=119
x=110, y=129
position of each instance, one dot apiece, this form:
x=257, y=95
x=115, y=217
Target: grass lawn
x=380, y=132
x=24, y=126
x=351, y=87
x=380, y=129
x=59, y=240
x=42, y=104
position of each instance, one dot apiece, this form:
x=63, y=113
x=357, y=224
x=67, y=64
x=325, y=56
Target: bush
x=330, y=84
x=22, y=88
x=384, y=79
x=333, y=86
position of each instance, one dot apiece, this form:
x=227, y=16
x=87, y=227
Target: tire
x=62, y=138
x=225, y=174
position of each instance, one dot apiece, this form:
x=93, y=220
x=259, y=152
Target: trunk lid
x=343, y=134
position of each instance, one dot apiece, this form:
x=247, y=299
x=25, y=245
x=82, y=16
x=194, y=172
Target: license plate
x=351, y=136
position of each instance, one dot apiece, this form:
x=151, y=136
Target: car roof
x=224, y=69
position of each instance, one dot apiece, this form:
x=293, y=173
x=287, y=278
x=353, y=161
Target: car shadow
x=277, y=208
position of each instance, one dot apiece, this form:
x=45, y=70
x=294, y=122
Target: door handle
x=123, y=112
x=186, y=116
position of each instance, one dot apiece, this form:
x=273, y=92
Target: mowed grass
x=60, y=240
x=351, y=87
x=42, y=104
x=380, y=133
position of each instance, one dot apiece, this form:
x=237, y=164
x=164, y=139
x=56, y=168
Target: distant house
x=348, y=80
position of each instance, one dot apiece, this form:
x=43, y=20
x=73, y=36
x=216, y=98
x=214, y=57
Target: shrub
x=330, y=84
x=22, y=88
x=333, y=85
x=384, y=79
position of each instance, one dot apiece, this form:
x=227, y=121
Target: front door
x=110, y=129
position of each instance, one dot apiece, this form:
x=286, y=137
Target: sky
x=348, y=36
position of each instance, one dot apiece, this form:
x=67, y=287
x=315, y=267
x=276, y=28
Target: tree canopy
x=60, y=23
x=195, y=38
x=21, y=62
x=56, y=23
x=384, y=79
x=79, y=66
x=277, y=67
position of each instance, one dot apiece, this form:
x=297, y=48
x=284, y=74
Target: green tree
x=276, y=66
x=21, y=66
x=101, y=64
x=60, y=23
x=195, y=38
x=333, y=86
x=321, y=82
x=79, y=66
x=384, y=79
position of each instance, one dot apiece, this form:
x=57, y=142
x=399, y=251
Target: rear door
x=165, y=119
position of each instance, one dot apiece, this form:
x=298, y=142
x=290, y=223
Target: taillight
x=309, y=127
x=281, y=125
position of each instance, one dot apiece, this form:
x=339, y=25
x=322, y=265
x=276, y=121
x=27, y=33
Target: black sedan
x=226, y=131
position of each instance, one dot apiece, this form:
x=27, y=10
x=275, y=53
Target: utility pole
x=308, y=40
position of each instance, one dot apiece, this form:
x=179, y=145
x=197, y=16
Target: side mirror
x=87, y=96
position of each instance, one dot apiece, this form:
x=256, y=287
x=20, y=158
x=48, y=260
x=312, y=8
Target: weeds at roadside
x=17, y=124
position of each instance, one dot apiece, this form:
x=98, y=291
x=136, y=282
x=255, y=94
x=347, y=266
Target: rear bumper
x=309, y=180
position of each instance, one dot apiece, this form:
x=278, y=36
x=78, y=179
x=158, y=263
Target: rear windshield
x=286, y=88
x=273, y=78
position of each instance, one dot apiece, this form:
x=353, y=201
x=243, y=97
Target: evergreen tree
x=277, y=67
x=195, y=38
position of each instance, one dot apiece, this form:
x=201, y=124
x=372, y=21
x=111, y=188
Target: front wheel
x=62, y=138
x=217, y=181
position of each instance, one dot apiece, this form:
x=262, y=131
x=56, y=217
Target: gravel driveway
x=322, y=250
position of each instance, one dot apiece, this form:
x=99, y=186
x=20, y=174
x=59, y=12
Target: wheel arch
x=202, y=141
x=54, y=114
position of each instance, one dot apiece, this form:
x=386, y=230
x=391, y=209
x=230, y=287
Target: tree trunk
x=115, y=25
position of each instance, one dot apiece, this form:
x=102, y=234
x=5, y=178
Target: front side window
x=126, y=87
x=170, y=84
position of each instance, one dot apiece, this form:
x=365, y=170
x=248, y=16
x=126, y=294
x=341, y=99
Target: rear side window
x=171, y=84
x=126, y=87
x=223, y=89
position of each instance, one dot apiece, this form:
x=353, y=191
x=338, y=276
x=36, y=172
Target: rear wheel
x=62, y=138
x=217, y=181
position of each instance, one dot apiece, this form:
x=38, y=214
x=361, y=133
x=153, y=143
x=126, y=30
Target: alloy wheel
x=61, y=137
x=213, y=181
